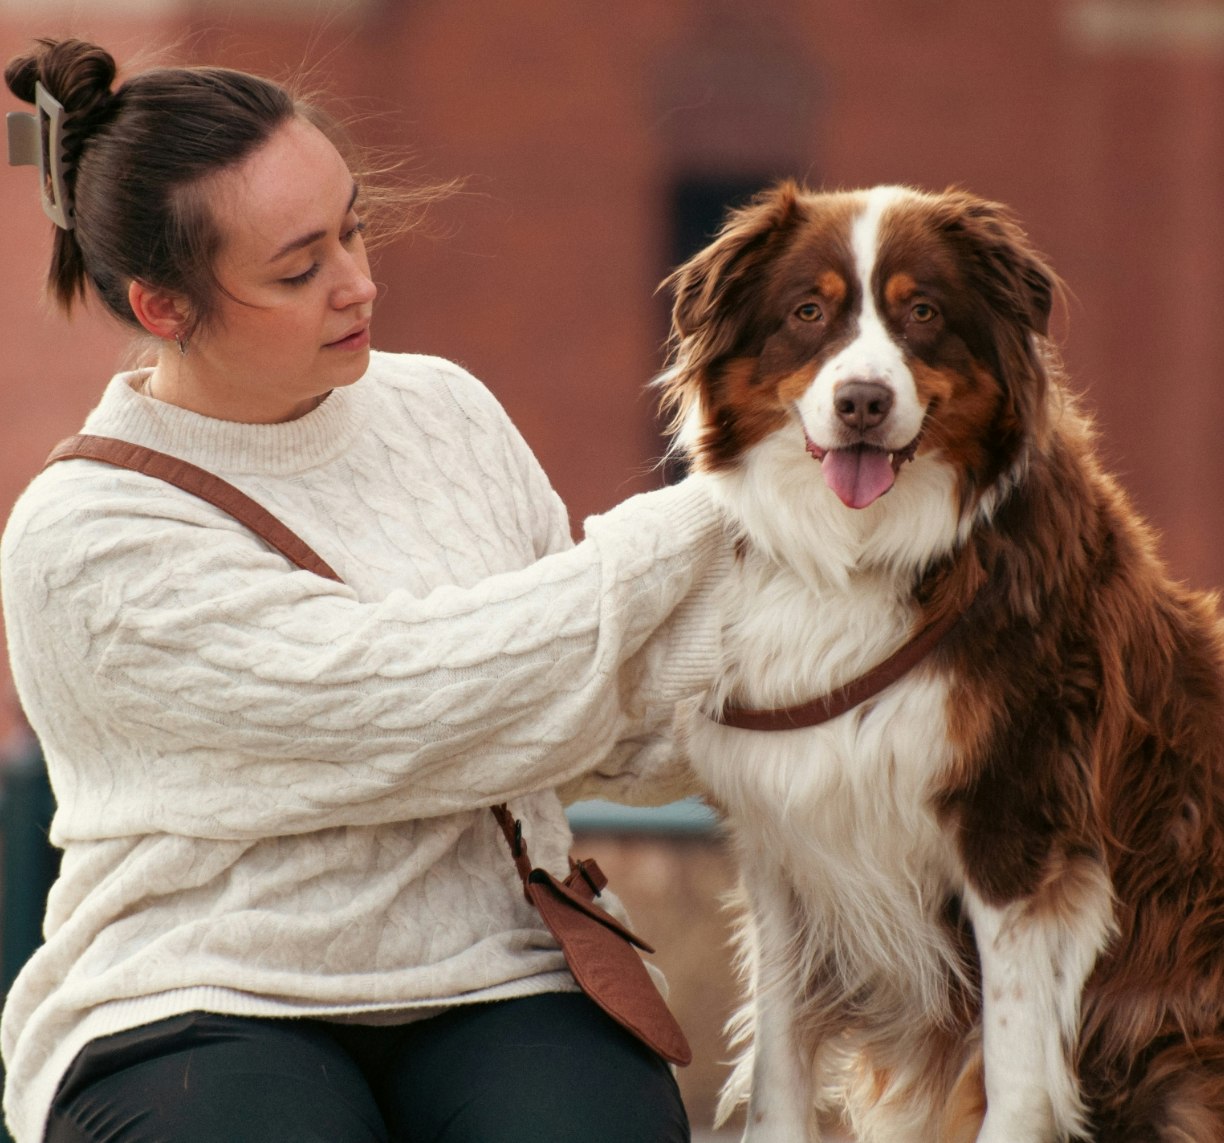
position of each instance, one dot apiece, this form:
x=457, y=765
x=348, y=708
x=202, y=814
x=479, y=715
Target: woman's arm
x=169, y=660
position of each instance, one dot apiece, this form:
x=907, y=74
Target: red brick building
x=598, y=141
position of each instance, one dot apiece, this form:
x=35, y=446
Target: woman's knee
x=548, y=1067
x=200, y=1078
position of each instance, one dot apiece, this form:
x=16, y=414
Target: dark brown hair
x=136, y=158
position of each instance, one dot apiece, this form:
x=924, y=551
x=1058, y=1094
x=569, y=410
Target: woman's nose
x=357, y=287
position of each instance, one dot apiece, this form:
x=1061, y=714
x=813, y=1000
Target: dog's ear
x=1001, y=260
x=717, y=281
x=1017, y=291
x=715, y=307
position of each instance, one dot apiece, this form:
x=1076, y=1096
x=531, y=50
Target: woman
x=285, y=912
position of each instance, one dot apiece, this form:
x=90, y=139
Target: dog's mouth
x=860, y=474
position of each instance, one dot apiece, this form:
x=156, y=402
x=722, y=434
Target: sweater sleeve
x=182, y=680
x=644, y=762
x=549, y=524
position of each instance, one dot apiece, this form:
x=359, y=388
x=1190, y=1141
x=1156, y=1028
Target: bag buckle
x=591, y=874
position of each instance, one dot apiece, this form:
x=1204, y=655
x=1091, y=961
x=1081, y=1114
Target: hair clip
x=26, y=148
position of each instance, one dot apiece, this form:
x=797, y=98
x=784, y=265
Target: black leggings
x=543, y=1069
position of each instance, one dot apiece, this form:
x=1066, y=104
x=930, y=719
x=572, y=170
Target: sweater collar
x=230, y=446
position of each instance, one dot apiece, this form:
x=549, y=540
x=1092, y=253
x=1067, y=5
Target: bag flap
x=546, y=881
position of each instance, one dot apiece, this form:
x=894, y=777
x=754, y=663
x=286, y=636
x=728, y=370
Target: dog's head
x=868, y=328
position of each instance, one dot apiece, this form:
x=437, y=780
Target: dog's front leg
x=1036, y=954
x=781, y=1105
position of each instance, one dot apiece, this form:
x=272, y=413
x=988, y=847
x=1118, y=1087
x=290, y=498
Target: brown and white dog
x=988, y=902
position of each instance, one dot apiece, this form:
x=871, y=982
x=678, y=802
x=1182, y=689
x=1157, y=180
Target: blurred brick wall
x=673, y=888
x=574, y=122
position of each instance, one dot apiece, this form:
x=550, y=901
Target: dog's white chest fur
x=841, y=812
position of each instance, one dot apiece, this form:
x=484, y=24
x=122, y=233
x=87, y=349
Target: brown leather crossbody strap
x=598, y=949
x=846, y=698
x=512, y=828
x=202, y=483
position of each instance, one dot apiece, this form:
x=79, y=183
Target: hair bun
x=77, y=73
x=19, y=75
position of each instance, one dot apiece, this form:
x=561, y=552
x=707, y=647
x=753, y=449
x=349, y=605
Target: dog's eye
x=809, y=311
x=923, y=312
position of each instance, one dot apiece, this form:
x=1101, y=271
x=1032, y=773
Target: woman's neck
x=174, y=381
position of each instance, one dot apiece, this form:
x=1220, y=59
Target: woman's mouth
x=358, y=338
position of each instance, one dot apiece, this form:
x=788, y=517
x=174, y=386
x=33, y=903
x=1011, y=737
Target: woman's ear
x=163, y=313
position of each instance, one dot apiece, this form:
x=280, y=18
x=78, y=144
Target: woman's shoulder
x=83, y=502
x=423, y=372
x=432, y=388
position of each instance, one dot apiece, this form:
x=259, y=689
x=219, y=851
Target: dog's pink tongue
x=859, y=475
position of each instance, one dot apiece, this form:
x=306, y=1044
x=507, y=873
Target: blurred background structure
x=600, y=144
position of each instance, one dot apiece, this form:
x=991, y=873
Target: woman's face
x=294, y=319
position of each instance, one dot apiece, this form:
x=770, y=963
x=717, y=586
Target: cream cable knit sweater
x=272, y=789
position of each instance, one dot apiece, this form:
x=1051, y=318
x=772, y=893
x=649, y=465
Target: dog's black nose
x=862, y=404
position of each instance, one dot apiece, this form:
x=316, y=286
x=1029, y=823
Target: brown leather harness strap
x=202, y=483
x=845, y=698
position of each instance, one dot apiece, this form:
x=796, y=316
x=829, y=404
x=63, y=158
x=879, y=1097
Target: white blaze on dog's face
x=862, y=414
x=869, y=329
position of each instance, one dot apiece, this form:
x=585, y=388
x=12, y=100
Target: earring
x=181, y=342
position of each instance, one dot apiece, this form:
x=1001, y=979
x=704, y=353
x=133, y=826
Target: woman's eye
x=923, y=312
x=347, y=236
x=810, y=311
x=303, y=278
